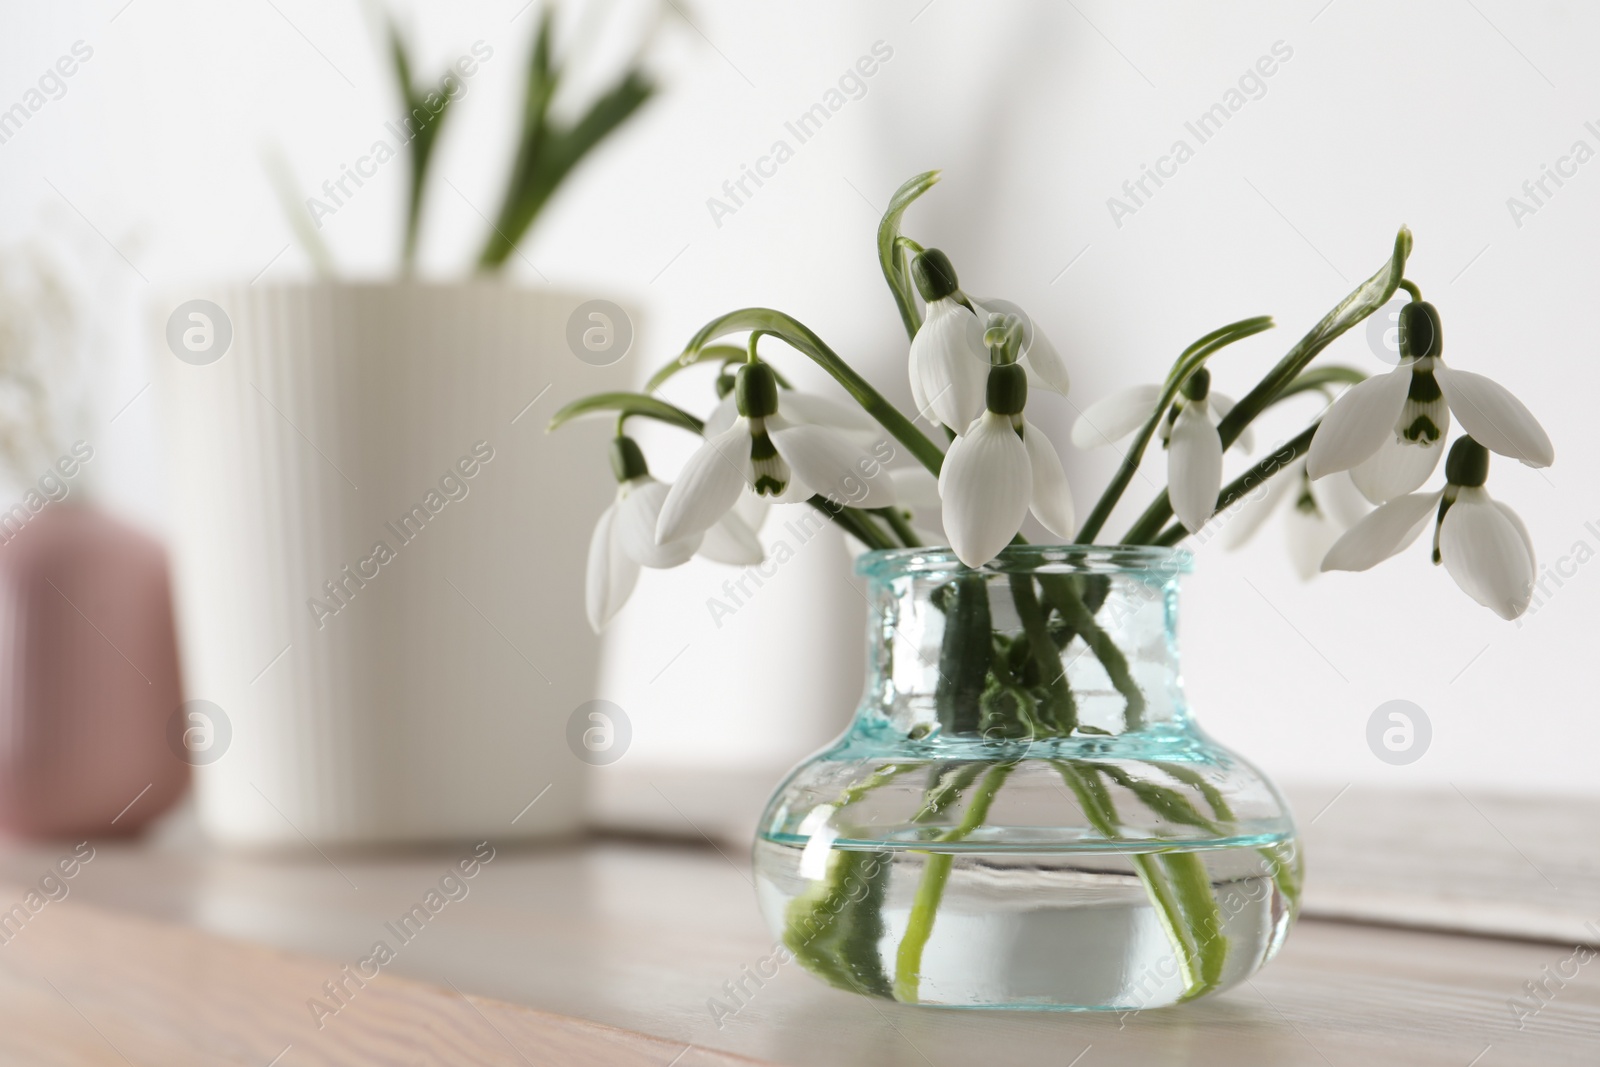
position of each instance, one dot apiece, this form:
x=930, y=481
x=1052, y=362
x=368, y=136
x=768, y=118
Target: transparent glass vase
x=1023, y=813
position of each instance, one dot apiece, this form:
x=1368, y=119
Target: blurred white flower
x=1318, y=514
x=624, y=540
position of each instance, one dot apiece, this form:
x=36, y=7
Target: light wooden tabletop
x=155, y=955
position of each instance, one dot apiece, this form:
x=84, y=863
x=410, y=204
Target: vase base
x=1061, y=929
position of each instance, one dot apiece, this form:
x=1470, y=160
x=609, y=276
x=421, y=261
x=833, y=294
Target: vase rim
x=1137, y=561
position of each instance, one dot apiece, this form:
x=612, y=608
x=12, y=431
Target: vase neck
x=1023, y=648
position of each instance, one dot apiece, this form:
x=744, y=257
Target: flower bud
x=627, y=461
x=934, y=274
x=1420, y=333
x=1007, y=391
x=756, y=391
x=1467, y=466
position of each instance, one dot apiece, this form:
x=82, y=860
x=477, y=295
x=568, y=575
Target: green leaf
x=626, y=404
x=547, y=153
x=891, y=256
x=425, y=135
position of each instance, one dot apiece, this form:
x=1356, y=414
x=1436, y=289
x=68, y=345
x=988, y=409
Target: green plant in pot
x=1024, y=812
x=360, y=475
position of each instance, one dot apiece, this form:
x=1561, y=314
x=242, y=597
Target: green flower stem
x=1276, y=463
x=835, y=926
x=935, y=875
x=1169, y=804
x=1102, y=815
x=626, y=404
x=724, y=354
x=1191, y=777
x=800, y=337
x=1363, y=301
x=891, y=248
x=855, y=522
x=1062, y=592
x=1191, y=883
x=1191, y=360
x=1319, y=378
x=896, y=521
x=1177, y=884
x=1061, y=710
x=964, y=654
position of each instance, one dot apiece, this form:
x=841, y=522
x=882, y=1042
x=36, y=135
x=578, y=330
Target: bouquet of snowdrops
x=972, y=362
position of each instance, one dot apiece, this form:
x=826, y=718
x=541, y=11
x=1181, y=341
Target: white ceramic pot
x=374, y=585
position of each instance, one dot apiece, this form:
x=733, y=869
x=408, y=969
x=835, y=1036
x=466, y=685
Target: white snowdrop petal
x=1496, y=420
x=915, y=487
x=1485, y=553
x=635, y=528
x=1052, y=496
x=830, y=463
x=1340, y=501
x=951, y=372
x=1522, y=532
x=950, y=453
x=1043, y=364
x=826, y=411
x=1359, y=421
x=1107, y=421
x=1387, y=531
x=723, y=416
x=1310, y=536
x=1194, y=467
x=731, y=540
x=1396, y=468
x=708, y=485
x=986, y=486
x=611, y=575
x=753, y=510
x=1248, y=515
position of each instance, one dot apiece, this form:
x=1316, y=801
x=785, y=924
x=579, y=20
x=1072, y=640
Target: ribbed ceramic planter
x=369, y=585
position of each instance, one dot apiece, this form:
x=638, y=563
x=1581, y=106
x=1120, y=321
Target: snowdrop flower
x=949, y=360
x=1120, y=415
x=1318, y=514
x=1389, y=431
x=624, y=538
x=999, y=469
x=777, y=457
x=1194, y=455
x=1480, y=541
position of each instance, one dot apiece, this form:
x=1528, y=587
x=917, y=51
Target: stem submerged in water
x=935, y=874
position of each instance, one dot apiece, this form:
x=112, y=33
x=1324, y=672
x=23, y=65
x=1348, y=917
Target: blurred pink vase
x=88, y=676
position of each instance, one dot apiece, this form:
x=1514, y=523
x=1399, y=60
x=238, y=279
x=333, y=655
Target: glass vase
x=1023, y=813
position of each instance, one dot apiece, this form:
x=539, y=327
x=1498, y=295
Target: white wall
x=1430, y=114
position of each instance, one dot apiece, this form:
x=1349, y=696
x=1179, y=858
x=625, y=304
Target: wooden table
x=608, y=951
